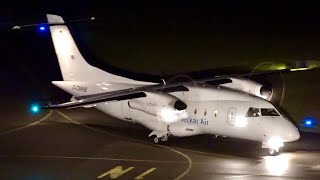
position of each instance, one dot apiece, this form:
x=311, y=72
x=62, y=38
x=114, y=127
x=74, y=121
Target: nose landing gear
x=274, y=152
x=273, y=145
x=163, y=138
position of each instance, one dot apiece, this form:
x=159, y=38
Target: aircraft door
x=126, y=110
x=232, y=116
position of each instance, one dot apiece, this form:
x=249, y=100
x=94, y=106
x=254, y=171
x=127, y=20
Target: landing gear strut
x=163, y=136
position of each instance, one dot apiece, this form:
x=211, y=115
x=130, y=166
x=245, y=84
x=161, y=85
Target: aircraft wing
x=132, y=93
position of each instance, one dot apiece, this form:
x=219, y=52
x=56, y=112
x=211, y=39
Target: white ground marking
x=189, y=164
x=29, y=125
x=96, y=158
x=104, y=132
x=239, y=176
x=101, y=159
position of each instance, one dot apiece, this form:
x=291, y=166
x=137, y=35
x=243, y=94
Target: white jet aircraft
x=238, y=108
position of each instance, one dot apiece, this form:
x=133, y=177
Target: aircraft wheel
x=273, y=152
x=164, y=138
x=156, y=140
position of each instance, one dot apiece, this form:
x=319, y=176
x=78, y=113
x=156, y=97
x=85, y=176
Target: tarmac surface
x=87, y=144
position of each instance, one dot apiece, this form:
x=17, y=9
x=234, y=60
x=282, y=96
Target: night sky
x=164, y=37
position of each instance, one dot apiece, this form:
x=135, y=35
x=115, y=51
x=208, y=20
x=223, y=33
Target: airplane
x=238, y=107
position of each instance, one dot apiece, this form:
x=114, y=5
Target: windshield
x=253, y=112
x=269, y=112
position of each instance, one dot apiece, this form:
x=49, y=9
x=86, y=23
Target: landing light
x=169, y=115
x=275, y=142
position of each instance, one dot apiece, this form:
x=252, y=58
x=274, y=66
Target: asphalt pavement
x=87, y=144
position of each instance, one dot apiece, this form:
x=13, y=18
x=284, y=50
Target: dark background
x=163, y=37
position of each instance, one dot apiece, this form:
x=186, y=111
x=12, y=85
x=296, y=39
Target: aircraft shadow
x=202, y=143
x=207, y=143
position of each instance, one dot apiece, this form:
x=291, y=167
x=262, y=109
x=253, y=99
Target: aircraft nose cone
x=292, y=133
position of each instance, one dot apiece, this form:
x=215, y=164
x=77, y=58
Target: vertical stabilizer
x=72, y=64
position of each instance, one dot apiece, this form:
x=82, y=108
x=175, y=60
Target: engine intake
x=179, y=105
x=266, y=92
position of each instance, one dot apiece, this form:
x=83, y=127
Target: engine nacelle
x=249, y=86
x=166, y=106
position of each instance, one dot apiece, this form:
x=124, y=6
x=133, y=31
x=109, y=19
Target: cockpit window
x=269, y=112
x=253, y=112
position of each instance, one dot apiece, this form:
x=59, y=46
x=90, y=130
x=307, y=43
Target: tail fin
x=72, y=64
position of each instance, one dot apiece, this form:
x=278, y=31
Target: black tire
x=156, y=140
x=273, y=152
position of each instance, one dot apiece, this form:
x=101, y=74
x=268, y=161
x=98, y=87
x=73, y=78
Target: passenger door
x=231, y=116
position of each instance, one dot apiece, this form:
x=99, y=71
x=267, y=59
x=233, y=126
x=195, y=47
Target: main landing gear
x=159, y=136
x=163, y=138
x=156, y=140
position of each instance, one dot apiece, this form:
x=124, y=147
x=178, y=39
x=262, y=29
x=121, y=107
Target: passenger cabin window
x=195, y=111
x=269, y=112
x=205, y=112
x=253, y=112
x=215, y=113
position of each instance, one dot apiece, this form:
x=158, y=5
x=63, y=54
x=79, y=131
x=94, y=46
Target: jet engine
x=249, y=86
x=166, y=106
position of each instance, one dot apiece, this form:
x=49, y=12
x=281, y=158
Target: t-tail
x=72, y=64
